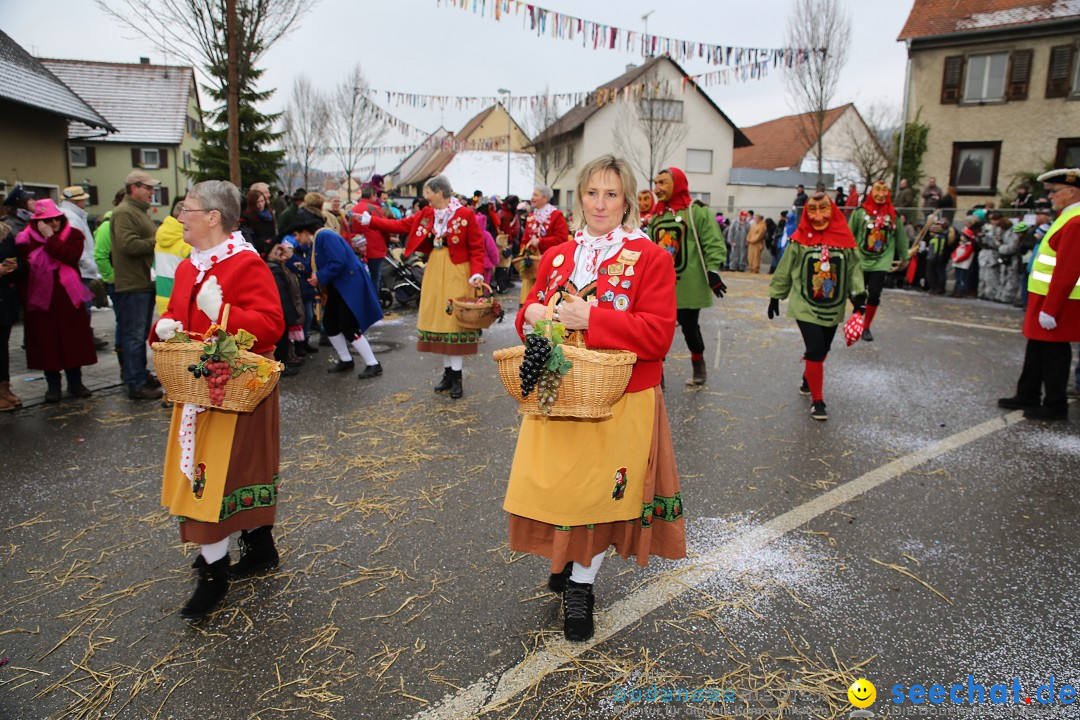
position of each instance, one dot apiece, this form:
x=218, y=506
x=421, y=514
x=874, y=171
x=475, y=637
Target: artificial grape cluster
x=549, y=389
x=217, y=373
x=537, y=350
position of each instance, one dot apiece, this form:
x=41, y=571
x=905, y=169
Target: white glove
x=365, y=219
x=476, y=279
x=167, y=327
x=209, y=299
x=1047, y=321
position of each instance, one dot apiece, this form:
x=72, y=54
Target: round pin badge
x=558, y=261
x=621, y=302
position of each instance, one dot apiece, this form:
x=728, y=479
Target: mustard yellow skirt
x=438, y=332
x=577, y=487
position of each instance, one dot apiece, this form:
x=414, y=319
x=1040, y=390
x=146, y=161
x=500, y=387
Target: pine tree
x=257, y=163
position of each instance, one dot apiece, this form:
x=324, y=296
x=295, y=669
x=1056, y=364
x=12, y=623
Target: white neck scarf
x=543, y=214
x=442, y=217
x=592, y=251
x=203, y=260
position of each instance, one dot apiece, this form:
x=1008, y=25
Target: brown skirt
x=660, y=530
x=250, y=499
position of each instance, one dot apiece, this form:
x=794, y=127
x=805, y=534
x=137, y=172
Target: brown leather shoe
x=699, y=372
x=145, y=392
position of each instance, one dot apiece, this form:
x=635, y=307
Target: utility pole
x=233, y=95
x=506, y=107
x=645, y=51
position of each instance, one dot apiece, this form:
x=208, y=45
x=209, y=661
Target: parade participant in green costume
x=817, y=274
x=882, y=243
x=698, y=251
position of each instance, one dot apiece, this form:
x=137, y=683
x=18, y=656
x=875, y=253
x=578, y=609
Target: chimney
x=144, y=61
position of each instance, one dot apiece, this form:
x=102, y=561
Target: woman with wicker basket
x=579, y=486
x=221, y=468
x=544, y=229
x=447, y=231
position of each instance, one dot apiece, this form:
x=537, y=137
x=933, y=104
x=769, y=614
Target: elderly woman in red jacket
x=544, y=229
x=578, y=487
x=447, y=231
x=58, y=334
x=221, y=468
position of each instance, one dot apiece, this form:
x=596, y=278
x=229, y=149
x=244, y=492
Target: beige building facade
x=1000, y=93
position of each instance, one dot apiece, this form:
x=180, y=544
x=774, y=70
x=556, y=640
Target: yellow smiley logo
x=862, y=693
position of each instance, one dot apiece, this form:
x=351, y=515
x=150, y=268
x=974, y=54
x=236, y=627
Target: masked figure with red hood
x=882, y=243
x=692, y=237
x=646, y=203
x=819, y=272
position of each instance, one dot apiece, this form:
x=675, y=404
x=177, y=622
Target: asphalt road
x=918, y=537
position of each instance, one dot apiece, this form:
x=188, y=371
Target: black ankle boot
x=557, y=581
x=446, y=382
x=210, y=589
x=578, y=600
x=257, y=553
x=455, y=385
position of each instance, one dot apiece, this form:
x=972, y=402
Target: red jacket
x=246, y=285
x=1066, y=243
x=555, y=233
x=463, y=238
x=647, y=324
x=376, y=239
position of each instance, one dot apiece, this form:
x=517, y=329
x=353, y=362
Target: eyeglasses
x=1057, y=190
x=144, y=185
x=184, y=210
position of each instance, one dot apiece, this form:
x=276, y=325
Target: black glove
x=717, y=285
x=861, y=309
x=774, y=307
x=859, y=303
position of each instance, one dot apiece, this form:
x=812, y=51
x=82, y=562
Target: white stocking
x=446, y=362
x=587, y=575
x=364, y=348
x=214, y=551
x=455, y=363
x=342, y=347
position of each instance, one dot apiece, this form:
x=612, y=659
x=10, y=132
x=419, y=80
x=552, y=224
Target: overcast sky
x=423, y=46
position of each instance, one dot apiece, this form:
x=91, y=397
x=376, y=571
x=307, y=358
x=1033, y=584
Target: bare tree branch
x=658, y=121
x=824, y=26
x=355, y=125
x=873, y=149
x=304, y=124
x=553, y=156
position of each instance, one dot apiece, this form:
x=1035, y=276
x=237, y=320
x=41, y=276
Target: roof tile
x=780, y=144
x=944, y=17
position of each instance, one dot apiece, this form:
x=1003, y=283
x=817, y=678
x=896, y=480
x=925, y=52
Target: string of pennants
x=607, y=37
x=442, y=143
x=600, y=96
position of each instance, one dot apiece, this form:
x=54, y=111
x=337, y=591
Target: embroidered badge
x=615, y=268
x=621, y=302
x=824, y=280
x=558, y=261
x=200, y=481
x=607, y=297
x=629, y=271
x=620, y=484
x=613, y=280
x=628, y=256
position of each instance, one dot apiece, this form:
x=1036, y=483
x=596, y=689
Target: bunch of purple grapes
x=537, y=350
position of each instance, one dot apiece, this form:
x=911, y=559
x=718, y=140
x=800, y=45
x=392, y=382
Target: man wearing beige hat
x=133, y=238
x=73, y=205
x=1052, y=319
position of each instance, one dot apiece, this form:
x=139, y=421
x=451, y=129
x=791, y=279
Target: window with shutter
x=163, y=153
x=950, y=82
x=985, y=77
x=91, y=157
x=1019, y=75
x=1060, y=72
x=78, y=156
x=91, y=190
x=136, y=157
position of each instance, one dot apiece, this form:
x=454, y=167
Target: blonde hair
x=609, y=163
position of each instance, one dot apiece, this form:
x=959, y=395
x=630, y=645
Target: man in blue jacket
x=351, y=304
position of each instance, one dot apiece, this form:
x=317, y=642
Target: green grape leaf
x=226, y=347
x=244, y=339
x=180, y=337
x=555, y=360
x=565, y=367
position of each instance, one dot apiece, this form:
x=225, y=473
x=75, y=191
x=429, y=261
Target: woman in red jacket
x=578, y=487
x=221, y=468
x=544, y=229
x=447, y=231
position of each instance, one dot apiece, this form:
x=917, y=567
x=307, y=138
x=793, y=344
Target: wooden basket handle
x=225, y=317
x=483, y=291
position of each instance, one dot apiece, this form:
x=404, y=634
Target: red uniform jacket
x=463, y=238
x=639, y=318
x=1056, y=302
x=246, y=285
x=376, y=239
x=555, y=233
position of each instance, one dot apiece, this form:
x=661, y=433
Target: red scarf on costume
x=874, y=210
x=680, y=194
x=836, y=235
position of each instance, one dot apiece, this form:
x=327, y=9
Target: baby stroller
x=401, y=278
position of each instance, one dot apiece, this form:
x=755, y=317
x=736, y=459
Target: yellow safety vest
x=1045, y=262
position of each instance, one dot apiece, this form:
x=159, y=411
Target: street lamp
x=506, y=107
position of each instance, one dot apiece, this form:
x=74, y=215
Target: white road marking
x=492, y=691
x=967, y=325
x=719, y=335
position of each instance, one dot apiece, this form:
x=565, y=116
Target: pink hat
x=45, y=209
